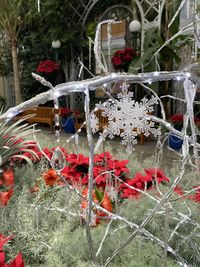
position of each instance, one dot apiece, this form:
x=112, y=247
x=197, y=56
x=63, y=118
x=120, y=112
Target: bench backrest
x=102, y=119
x=44, y=112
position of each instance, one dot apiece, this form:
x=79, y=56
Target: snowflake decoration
x=94, y=123
x=127, y=118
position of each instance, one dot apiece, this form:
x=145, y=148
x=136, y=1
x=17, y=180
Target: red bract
x=4, y=240
x=72, y=175
x=123, y=57
x=17, y=262
x=77, y=159
x=104, y=202
x=178, y=190
x=157, y=175
x=176, y=118
x=102, y=158
x=50, y=177
x=66, y=112
x=196, y=196
x=7, y=178
x=119, y=167
x=5, y=196
x=143, y=182
x=47, y=66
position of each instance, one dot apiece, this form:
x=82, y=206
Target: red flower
x=4, y=240
x=157, y=174
x=123, y=57
x=17, y=262
x=142, y=182
x=178, y=190
x=7, y=178
x=50, y=177
x=117, y=61
x=176, y=118
x=5, y=196
x=105, y=203
x=47, y=66
x=196, y=196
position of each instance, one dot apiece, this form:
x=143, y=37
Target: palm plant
x=12, y=143
x=10, y=22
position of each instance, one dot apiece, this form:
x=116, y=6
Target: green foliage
x=155, y=39
x=37, y=34
x=5, y=59
x=2, y=101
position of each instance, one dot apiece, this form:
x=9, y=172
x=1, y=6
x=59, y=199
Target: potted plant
x=50, y=70
x=68, y=117
x=176, y=142
x=122, y=59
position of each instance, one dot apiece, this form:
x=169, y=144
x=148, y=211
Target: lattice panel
x=151, y=9
x=81, y=9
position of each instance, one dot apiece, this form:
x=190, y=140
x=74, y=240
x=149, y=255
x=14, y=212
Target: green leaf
x=99, y=194
x=145, y=59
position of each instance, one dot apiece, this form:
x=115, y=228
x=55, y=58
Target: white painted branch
x=95, y=83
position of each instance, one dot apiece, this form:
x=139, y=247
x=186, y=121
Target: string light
x=56, y=94
x=188, y=74
x=38, y=2
x=11, y=115
x=156, y=73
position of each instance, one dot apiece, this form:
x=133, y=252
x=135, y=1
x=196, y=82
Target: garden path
x=144, y=152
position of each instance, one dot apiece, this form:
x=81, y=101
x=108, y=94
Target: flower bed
x=52, y=209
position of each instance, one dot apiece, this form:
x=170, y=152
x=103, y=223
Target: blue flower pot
x=175, y=142
x=68, y=125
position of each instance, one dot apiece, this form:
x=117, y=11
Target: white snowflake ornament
x=127, y=118
x=94, y=123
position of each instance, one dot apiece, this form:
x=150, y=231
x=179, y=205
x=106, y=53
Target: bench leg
x=142, y=139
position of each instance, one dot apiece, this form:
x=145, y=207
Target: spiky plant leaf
x=11, y=143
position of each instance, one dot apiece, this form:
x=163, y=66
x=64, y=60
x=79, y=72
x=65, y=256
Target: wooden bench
x=41, y=115
x=103, y=122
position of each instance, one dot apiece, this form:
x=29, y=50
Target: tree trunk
x=17, y=90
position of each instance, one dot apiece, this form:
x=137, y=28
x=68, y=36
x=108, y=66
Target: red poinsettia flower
x=4, y=240
x=102, y=158
x=77, y=159
x=17, y=262
x=5, y=196
x=47, y=66
x=102, y=178
x=117, y=61
x=157, y=174
x=50, y=177
x=177, y=120
x=178, y=190
x=142, y=182
x=66, y=112
x=119, y=166
x=196, y=196
x=130, y=193
x=123, y=57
